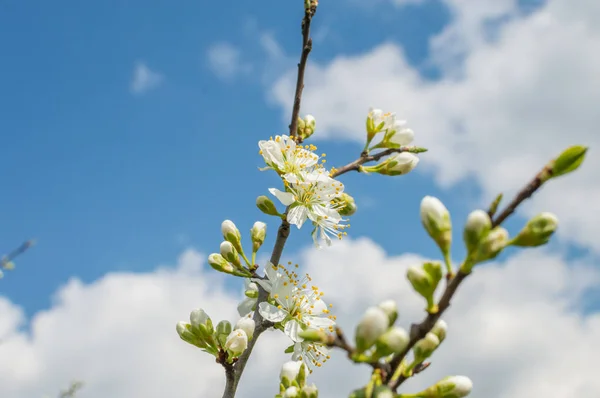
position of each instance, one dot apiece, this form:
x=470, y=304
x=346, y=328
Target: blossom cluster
x=310, y=191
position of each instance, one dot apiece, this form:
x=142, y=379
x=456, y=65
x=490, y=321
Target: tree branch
x=418, y=331
x=365, y=158
x=284, y=229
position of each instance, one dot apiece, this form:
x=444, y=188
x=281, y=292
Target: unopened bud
x=373, y=324
x=347, y=206
x=394, y=341
x=425, y=280
x=313, y=335
x=382, y=392
x=477, y=227
x=230, y=254
x=306, y=126
x=222, y=331
x=258, y=234
x=439, y=329
x=184, y=330
x=489, y=248
x=266, y=205
x=397, y=136
x=291, y=392
x=232, y=234
x=219, y=263
x=397, y=164
x=436, y=220
x=247, y=324
x=289, y=371
x=391, y=310
x=237, y=342
x=199, y=317
x=537, y=231
x=309, y=391
x=449, y=387
x=425, y=347
x=569, y=160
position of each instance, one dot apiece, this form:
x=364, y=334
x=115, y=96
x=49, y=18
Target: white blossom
x=283, y=155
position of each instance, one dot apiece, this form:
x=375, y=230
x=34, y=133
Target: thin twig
x=418, y=331
x=365, y=158
x=16, y=252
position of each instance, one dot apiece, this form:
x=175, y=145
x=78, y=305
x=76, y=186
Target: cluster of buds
x=425, y=347
x=224, y=342
x=485, y=243
x=293, y=381
x=376, y=336
x=306, y=127
x=229, y=260
x=395, y=136
x=425, y=280
x=448, y=387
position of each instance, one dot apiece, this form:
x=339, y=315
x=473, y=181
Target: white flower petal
x=297, y=216
x=285, y=198
x=292, y=328
x=271, y=313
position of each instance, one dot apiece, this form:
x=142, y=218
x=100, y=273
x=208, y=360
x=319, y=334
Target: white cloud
x=117, y=334
x=144, y=79
x=498, y=115
x=225, y=61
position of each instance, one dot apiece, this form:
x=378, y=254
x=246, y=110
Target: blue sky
x=105, y=179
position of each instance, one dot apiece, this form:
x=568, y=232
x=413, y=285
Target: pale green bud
x=314, y=335
x=218, y=262
x=247, y=324
x=426, y=346
x=382, y=392
x=306, y=126
x=289, y=372
x=449, y=387
x=236, y=342
x=347, y=206
x=490, y=246
x=394, y=341
x=359, y=393
x=397, y=164
x=569, y=160
x=436, y=220
x=184, y=330
x=373, y=324
x=232, y=234
x=397, y=136
x=199, y=317
x=425, y=280
x=309, y=391
x=439, y=329
x=230, y=254
x=291, y=392
x=537, y=231
x=391, y=310
x=477, y=227
x=266, y=205
x=258, y=234
x=251, y=290
x=222, y=331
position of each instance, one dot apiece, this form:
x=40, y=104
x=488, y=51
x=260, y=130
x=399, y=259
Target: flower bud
x=394, y=341
x=222, y=331
x=258, y=234
x=397, y=136
x=291, y=392
x=382, y=391
x=373, y=324
x=359, y=393
x=232, y=234
x=489, y=247
x=266, y=205
x=449, y=387
x=290, y=370
x=184, y=330
x=219, y=263
x=425, y=280
x=477, y=227
x=425, y=347
x=313, y=335
x=439, y=329
x=569, y=160
x=230, y=254
x=309, y=391
x=247, y=324
x=537, y=231
x=436, y=220
x=346, y=204
x=236, y=342
x=397, y=164
x=378, y=121
x=306, y=126
x=391, y=310
x=199, y=317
